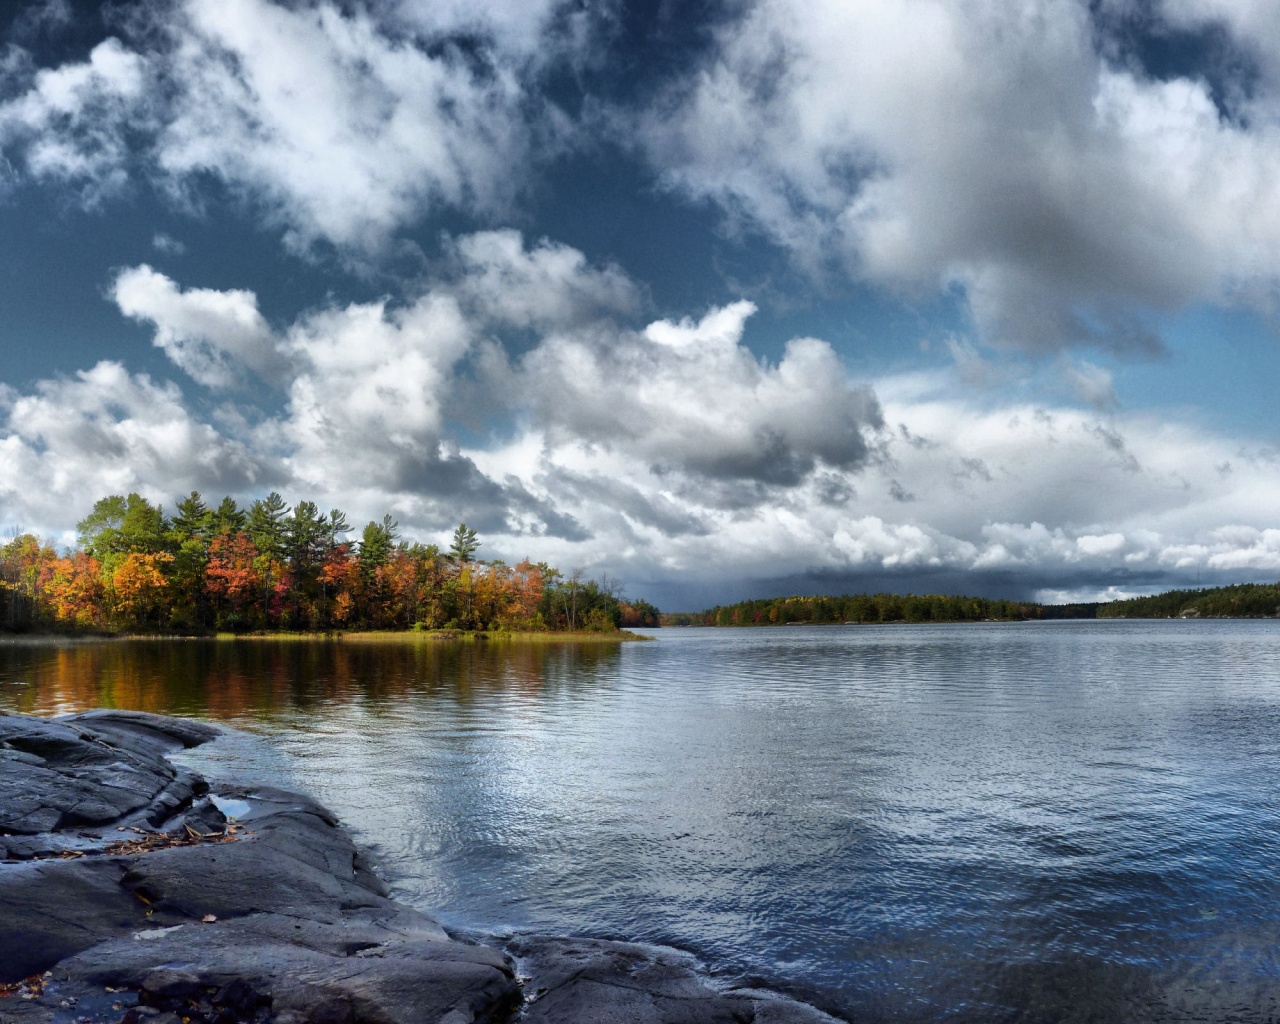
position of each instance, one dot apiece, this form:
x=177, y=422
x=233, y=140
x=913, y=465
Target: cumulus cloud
x=1253, y=23
x=988, y=147
x=388, y=381
x=107, y=431
x=343, y=125
x=549, y=286
x=216, y=337
x=365, y=405
x=689, y=397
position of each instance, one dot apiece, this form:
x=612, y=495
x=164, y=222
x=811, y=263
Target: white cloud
x=549, y=286
x=931, y=144
x=1029, y=494
x=365, y=406
x=690, y=398
x=346, y=132
x=339, y=125
x=214, y=336
x=106, y=431
x=167, y=244
x=68, y=122
x=538, y=31
x=1255, y=24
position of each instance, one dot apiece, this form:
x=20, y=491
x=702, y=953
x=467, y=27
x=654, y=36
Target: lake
x=1067, y=821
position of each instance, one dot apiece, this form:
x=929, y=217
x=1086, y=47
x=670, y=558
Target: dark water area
x=1068, y=821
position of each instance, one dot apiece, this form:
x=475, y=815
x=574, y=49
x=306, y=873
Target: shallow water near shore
x=1022, y=822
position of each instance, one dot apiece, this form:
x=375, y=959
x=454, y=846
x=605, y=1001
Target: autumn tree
x=232, y=579
x=76, y=592
x=138, y=587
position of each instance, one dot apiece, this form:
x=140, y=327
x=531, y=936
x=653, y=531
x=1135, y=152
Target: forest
x=1242, y=600
x=1239, y=601
x=861, y=608
x=269, y=567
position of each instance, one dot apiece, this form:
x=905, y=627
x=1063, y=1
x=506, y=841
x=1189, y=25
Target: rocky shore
x=130, y=891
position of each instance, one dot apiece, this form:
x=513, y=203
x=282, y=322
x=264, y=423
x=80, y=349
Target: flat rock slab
x=126, y=896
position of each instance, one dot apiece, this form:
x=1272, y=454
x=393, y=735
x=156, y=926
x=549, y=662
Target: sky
x=723, y=298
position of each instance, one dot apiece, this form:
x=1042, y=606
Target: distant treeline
x=1242, y=600
x=272, y=567
x=1239, y=601
x=862, y=608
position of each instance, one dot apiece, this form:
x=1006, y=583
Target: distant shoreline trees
x=860, y=608
x=1241, y=600
x=269, y=567
x=1238, y=601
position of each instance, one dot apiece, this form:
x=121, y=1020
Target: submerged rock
x=127, y=896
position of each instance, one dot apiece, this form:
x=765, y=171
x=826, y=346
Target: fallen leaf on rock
x=209, y=919
x=27, y=988
x=149, y=842
x=152, y=841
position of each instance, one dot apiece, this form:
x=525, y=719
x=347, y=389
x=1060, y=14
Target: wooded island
x=268, y=567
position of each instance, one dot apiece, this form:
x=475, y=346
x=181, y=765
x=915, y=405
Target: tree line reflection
x=267, y=679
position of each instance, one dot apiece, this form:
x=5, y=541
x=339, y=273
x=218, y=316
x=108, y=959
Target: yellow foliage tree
x=138, y=586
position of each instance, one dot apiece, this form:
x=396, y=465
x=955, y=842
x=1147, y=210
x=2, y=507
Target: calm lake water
x=1022, y=822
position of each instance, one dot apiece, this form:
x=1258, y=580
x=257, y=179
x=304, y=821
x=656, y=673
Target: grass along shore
x=387, y=636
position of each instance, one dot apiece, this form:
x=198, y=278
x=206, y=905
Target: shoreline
x=136, y=890
x=354, y=637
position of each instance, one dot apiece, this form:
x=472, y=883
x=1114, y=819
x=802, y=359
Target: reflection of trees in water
x=264, y=678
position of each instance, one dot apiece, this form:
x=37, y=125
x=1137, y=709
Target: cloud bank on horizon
x=1045, y=187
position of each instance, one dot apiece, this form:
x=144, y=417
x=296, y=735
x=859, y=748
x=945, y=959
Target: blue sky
x=721, y=298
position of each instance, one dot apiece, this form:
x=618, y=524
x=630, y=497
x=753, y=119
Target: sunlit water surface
x=1030, y=822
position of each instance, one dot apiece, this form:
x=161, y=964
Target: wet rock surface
x=590, y=981
x=127, y=896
